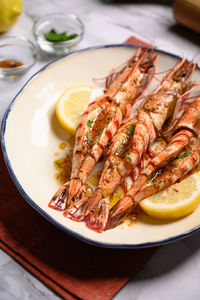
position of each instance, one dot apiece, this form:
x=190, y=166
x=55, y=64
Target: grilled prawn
x=181, y=155
x=186, y=161
x=126, y=153
x=101, y=120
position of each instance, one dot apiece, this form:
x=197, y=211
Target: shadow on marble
x=161, y=2
x=44, y=57
x=186, y=33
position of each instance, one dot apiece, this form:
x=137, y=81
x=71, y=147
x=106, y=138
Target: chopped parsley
x=57, y=164
x=89, y=137
x=170, y=159
x=89, y=123
x=100, y=130
x=108, y=119
x=185, y=154
x=54, y=36
x=151, y=176
x=131, y=129
x=128, y=157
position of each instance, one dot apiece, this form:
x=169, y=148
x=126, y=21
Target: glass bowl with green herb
x=58, y=33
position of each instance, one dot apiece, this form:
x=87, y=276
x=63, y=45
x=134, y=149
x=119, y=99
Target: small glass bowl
x=61, y=23
x=17, y=49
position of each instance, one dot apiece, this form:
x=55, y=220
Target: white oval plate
x=31, y=135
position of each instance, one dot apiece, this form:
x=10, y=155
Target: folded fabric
x=134, y=40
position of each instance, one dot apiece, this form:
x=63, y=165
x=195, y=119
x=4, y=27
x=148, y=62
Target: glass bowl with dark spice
x=17, y=56
x=58, y=33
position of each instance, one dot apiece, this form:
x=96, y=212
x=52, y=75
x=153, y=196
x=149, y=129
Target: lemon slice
x=71, y=105
x=177, y=201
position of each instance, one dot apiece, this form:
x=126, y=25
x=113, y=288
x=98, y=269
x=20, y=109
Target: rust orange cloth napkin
x=134, y=40
x=71, y=268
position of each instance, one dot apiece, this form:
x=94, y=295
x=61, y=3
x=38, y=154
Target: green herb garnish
x=128, y=157
x=57, y=164
x=170, y=159
x=89, y=123
x=89, y=137
x=151, y=176
x=108, y=119
x=54, y=36
x=185, y=154
x=100, y=130
x=131, y=129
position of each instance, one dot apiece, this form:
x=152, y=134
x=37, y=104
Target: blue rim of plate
x=41, y=211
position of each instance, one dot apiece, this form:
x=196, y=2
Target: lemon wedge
x=10, y=10
x=177, y=201
x=71, y=104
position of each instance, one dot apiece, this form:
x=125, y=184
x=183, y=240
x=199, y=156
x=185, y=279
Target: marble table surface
x=174, y=270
